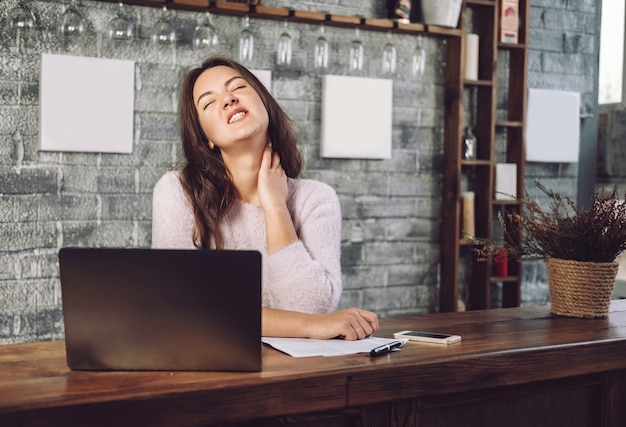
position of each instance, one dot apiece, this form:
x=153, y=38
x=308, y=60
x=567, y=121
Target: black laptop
x=161, y=309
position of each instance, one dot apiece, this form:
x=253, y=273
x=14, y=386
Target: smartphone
x=429, y=337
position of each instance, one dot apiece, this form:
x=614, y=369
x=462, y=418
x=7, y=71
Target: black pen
x=385, y=348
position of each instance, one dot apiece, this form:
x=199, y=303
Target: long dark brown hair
x=204, y=175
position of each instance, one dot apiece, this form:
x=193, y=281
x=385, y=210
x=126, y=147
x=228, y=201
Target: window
x=611, y=72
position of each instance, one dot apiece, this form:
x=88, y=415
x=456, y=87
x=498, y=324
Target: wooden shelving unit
x=482, y=17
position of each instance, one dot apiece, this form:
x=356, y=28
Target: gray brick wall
x=391, y=208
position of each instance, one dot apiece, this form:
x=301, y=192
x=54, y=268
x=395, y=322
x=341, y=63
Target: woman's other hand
x=350, y=324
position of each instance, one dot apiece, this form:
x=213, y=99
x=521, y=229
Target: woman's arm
x=172, y=217
x=272, y=188
x=303, y=239
x=306, y=275
x=350, y=324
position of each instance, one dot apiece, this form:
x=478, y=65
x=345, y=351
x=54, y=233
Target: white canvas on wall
x=87, y=104
x=265, y=76
x=552, y=126
x=356, y=117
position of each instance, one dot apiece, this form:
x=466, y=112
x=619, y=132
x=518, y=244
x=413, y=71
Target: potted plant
x=580, y=247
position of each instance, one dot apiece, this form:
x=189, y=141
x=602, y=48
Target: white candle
x=471, y=57
x=467, y=214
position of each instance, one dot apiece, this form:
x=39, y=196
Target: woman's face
x=229, y=108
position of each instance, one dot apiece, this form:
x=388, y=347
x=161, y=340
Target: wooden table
x=514, y=367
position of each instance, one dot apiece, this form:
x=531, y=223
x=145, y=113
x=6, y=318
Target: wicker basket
x=581, y=289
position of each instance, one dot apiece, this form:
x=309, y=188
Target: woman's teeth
x=236, y=117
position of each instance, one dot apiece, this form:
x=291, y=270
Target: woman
x=238, y=189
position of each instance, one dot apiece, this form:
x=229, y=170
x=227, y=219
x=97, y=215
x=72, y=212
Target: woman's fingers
x=266, y=159
x=364, y=324
x=276, y=161
x=350, y=324
x=270, y=159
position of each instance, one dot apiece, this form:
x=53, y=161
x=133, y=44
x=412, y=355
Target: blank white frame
x=552, y=126
x=265, y=76
x=356, y=117
x=87, y=104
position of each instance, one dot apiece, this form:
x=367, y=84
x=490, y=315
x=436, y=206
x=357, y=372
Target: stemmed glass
x=418, y=62
x=72, y=22
x=284, y=47
x=121, y=27
x=390, y=57
x=21, y=23
x=163, y=32
x=357, y=53
x=205, y=35
x=321, y=51
x=246, y=43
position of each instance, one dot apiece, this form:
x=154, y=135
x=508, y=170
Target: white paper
x=552, y=126
x=305, y=347
x=356, y=117
x=87, y=104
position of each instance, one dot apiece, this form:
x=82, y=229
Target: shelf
x=343, y=20
x=301, y=16
x=507, y=279
x=376, y=24
x=232, y=8
x=441, y=31
x=485, y=83
x=305, y=16
x=269, y=12
x=412, y=27
x=515, y=202
x=509, y=123
x=476, y=162
x=481, y=17
x=511, y=46
x=466, y=242
x=488, y=3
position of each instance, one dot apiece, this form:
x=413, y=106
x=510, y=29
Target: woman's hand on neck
x=272, y=193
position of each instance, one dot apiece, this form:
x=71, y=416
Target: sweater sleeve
x=306, y=275
x=172, y=217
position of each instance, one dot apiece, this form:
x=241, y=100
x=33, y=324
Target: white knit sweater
x=305, y=276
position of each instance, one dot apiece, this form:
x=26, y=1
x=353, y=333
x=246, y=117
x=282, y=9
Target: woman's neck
x=247, y=187
x=244, y=171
